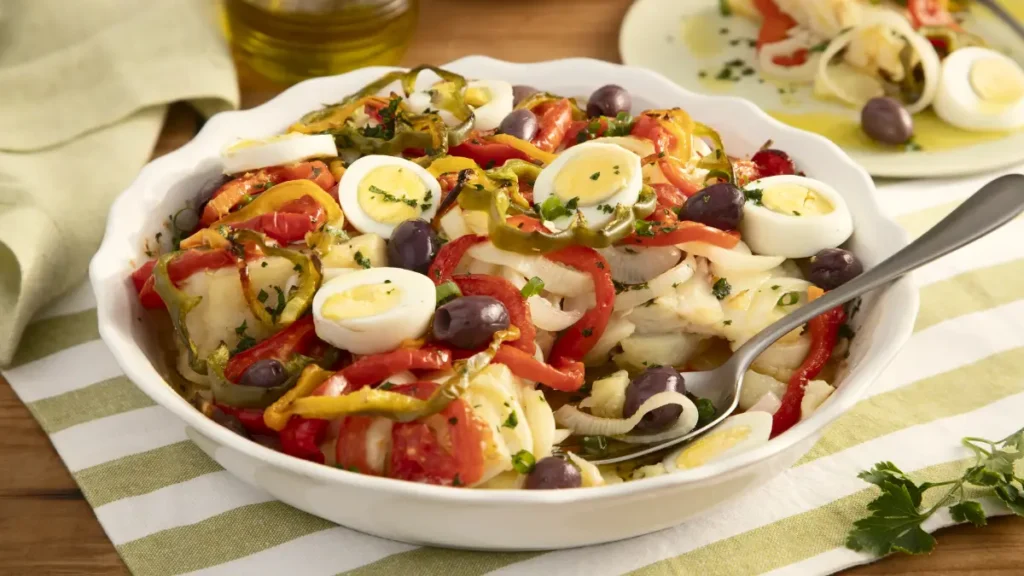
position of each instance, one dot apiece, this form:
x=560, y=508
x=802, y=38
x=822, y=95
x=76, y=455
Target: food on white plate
x=246, y=155
x=981, y=89
x=462, y=307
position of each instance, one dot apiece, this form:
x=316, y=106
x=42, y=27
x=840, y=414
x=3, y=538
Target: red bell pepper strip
x=301, y=438
x=449, y=256
x=573, y=137
x=252, y=184
x=506, y=293
x=932, y=13
x=374, y=368
x=526, y=223
x=775, y=27
x=295, y=339
x=669, y=196
x=651, y=129
x=553, y=126
x=251, y=419
x=824, y=331
x=186, y=264
x=291, y=223
x=487, y=154
x=578, y=339
x=567, y=376
x=684, y=231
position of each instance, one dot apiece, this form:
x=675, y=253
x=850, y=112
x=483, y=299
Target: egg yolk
x=362, y=301
x=592, y=176
x=795, y=200
x=392, y=194
x=997, y=81
x=477, y=96
x=707, y=447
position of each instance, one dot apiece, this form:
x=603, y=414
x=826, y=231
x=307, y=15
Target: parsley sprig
x=896, y=514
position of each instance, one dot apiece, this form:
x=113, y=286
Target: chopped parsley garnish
x=795, y=213
x=389, y=197
x=262, y=295
x=727, y=322
x=789, y=298
x=386, y=386
x=523, y=462
x=456, y=481
x=244, y=340
x=447, y=292
x=588, y=332
x=721, y=289
x=361, y=260
x=264, y=264
x=606, y=208
x=643, y=228
x=533, y=287
x=912, y=146
x=553, y=209
x=297, y=267
x=706, y=411
x=512, y=421
x=621, y=287
x=276, y=311
x=754, y=195
x=453, y=420
x=595, y=175
x=776, y=286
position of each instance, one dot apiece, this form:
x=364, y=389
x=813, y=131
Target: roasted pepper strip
x=553, y=126
x=278, y=197
x=717, y=162
x=376, y=402
x=505, y=292
x=233, y=394
x=291, y=223
x=449, y=256
x=276, y=415
x=372, y=369
x=567, y=377
x=538, y=101
x=682, y=232
x=486, y=154
x=295, y=339
x=179, y=304
x=251, y=419
x=525, y=147
x=824, y=331
x=332, y=117
x=298, y=302
x=578, y=339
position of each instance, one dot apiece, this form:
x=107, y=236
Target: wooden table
x=46, y=526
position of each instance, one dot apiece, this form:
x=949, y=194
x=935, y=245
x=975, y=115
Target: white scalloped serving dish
x=481, y=519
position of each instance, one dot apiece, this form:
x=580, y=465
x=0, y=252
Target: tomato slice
x=444, y=449
x=506, y=293
x=684, y=231
x=931, y=13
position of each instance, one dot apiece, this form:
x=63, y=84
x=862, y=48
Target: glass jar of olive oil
x=291, y=40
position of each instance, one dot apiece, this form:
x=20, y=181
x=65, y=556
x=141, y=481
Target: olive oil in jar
x=291, y=40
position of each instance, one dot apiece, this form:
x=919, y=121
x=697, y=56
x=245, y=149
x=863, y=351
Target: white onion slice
x=802, y=73
x=560, y=435
x=617, y=330
x=660, y=286
x=545, y=314
x=687, y=421
x=453, y=224
x=637, y=265
x=589, y=473
x=557, y=279
x=725, y=261
x=541, y=421
x=768, y=402
x=584, y=424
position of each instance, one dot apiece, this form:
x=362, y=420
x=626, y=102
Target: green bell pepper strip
x=179, y=304
x=717, y=162
x=376, y=402
x=239, y=396
x=538, y=98
x=299, y=302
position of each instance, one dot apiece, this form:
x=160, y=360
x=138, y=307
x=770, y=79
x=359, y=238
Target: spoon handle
x=1005, y=16
x=997, y=203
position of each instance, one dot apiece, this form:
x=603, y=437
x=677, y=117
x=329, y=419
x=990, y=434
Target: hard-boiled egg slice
x=734, y=435
x=248, y=155
x=374, y=310
x=794, y=217
x=491, y=101
x=380, y=192
x=593, y=176
x=981, y=90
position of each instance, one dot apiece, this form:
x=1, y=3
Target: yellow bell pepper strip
x=290, y=308
x=540, y=98
x=276, y=415
x=179, y=304
x=229, y=393
x=337, y=168
x=717, y=163
x=393, y=405
x=334, y=116
x=272, y=200
x=525, y=147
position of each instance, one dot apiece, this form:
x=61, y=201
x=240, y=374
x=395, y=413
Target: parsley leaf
x=754, y=196
x=643, y=228
x=595, y=175
x=533, y=287
x=389, y=197
x=553, y=209
x=721, y=289
x=512, y=421
x=361, y=260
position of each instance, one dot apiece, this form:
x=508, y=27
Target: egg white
x=770, y=233
x=246, y=155
x=348, y=193
x=409, y=318
x=627, y=195
x=488, y=116
x=759, y=429
x=958, y=104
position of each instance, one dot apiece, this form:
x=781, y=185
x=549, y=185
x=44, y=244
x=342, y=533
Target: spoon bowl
x=994, y=205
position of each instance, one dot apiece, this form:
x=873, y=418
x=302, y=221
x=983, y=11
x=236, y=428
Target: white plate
x=680, y=39
x=507, y=519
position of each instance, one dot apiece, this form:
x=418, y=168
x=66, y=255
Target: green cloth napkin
x=84, y=87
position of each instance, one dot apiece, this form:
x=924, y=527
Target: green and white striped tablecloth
x=169, y=509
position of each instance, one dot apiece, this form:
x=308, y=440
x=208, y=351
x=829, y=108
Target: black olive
x=609, y=101
x=469, y=322
x=719, y=205
x=521, y=92
x=266, y=373
x=833, y=267
x=519, y=123
x=651, y=382
x=413, y=246
x=229, y=421
x=553, y=473
x=887, y=121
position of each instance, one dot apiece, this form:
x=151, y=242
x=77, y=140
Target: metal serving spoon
x=1003, y=15
x=997, y=203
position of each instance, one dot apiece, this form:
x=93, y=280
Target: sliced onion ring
x=640, y=264
x=585, y=424
x=557, y=279
x=660, y=286
x=545, y=314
